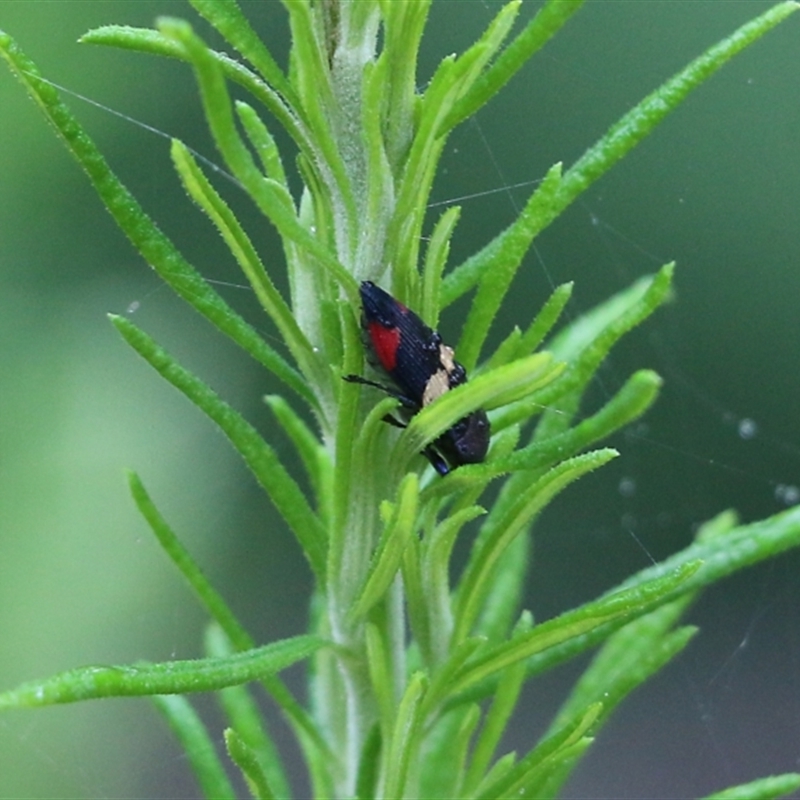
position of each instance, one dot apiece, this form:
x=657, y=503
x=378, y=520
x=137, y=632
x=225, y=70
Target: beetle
x=424, y=368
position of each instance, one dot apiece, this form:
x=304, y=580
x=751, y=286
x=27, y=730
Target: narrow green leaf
x=219, y=611
x=619, y=607
x=503, y=705
x=381, y=678
x=622, y=136
x=720, y=525
x=547, y=780
x=467, y=68
x=171, y=677
x=547, y=22
x=506, y=590
x=664, y=651
x=368, y=765
x=247, y=721
x=416, y=599
x=227, y=18
x=628, y=658
x=506, y=250
x=610, y=321
x=630, y=302
x=444, y=675
x=452, y=78
x=310, y=75
x=204, y=194
x=637, y=394
x=763, y=789
x=145, y=40
x=515, y=781
x=633, y=399
x=310, y=61
x=180, y=556
x=722, y=555
x=198, y=746
x=435, y=259
x=354, y=468
x=370, y=438
x=311, y=451
x=502, y=258
x=441, y=770
x=418, y=167
x=459, y=748
x=376, y=176
x=270, y=196
x=257, y=454
x=546, y=318
x=537, y=780
x=154, y=246
x=644, y=117
x=389, y=554
x=500, y=768
x=335, y=313
x=403, y=25
x=405, y=737
x=243, y=756
x=506, y=352
x=518, y=345
x=263, y=143
x=468, y=482
x=497, y=534
x=435, y=580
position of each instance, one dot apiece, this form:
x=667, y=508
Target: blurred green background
x=716, y=188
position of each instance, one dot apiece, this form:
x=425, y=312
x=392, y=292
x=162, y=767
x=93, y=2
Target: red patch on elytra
x=385, y=342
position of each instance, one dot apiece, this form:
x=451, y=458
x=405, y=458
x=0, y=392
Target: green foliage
x=402, y=652
x=202, y=675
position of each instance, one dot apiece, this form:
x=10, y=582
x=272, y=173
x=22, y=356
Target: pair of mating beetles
x=424, y=368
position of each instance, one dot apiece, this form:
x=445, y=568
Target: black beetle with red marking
x=423, y=368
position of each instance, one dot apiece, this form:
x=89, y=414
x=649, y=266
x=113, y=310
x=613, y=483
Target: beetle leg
x=406, y=402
